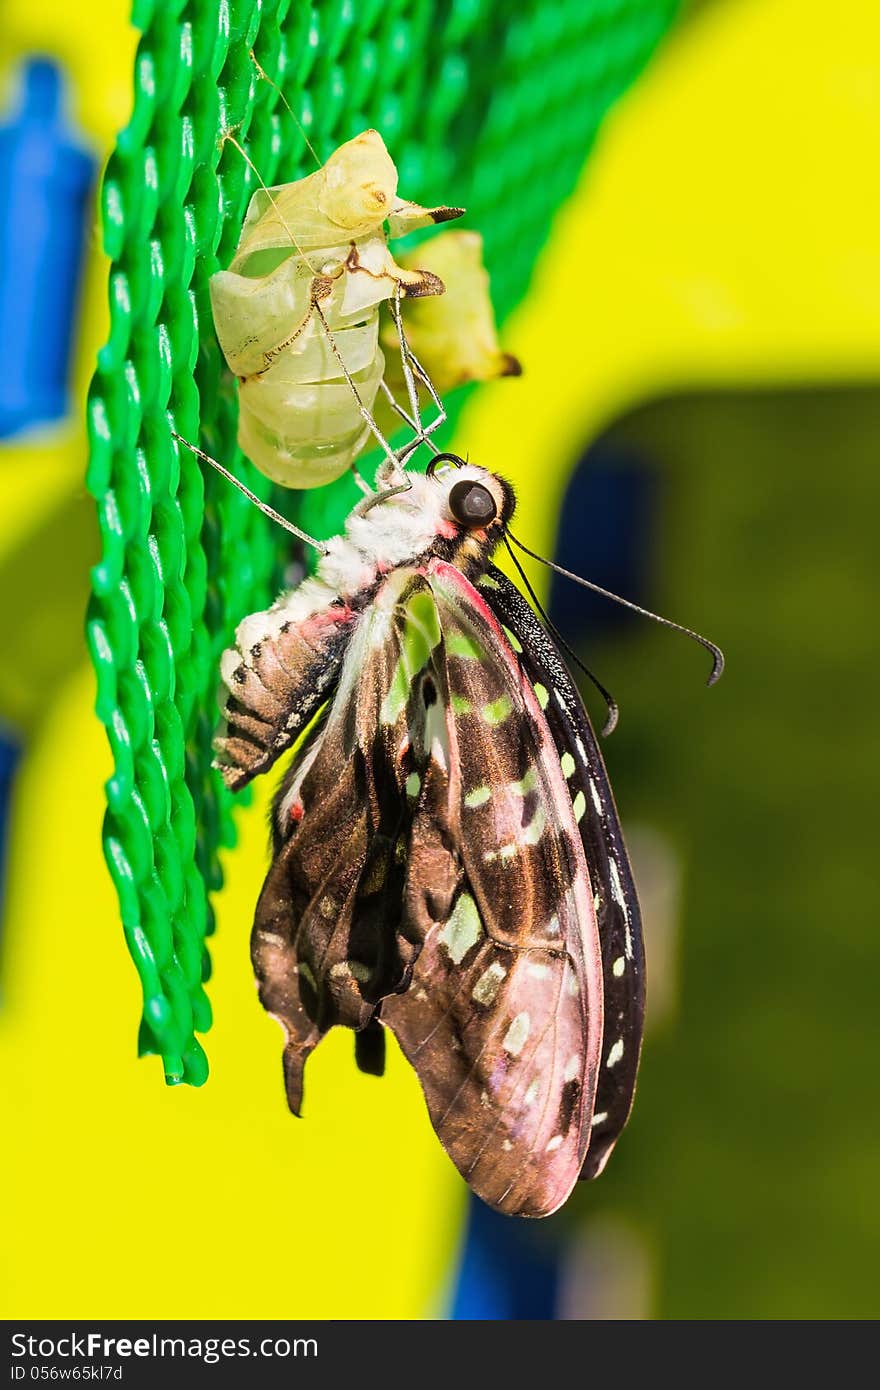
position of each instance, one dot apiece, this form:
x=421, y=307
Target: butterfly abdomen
x=275, y=679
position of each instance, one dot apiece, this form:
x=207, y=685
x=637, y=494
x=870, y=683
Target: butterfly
x=448, y=862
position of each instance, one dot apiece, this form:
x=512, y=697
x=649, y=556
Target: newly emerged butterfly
x=448, y=862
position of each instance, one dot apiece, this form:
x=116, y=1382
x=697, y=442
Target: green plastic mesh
x=492, y=104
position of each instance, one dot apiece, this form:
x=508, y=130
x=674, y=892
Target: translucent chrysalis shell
x=453, y=336
x=320, y=241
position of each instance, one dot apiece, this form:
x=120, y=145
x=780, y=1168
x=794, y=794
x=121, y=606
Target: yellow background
x=725, y=231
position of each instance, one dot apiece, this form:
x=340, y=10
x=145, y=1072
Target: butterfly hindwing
x=325, y=942
x=599, y=825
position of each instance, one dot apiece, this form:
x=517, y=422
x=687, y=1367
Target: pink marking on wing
x=333, y=616
x=506, y=807
x=471, y=596
x=498, y=1075
x=583, y=946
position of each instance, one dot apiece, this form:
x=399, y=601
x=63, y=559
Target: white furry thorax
x=395, y=532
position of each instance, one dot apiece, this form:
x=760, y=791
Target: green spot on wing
x=478, y=797
x=422, y=631
x=543, y=695
x=567, y=764
x=460, y=644
x=528, y=783
x=395, y=701
x=535, y=828
x=513, y=640
x=496, y=712
x=421, y=634
x=489, y=983
x=463, y=930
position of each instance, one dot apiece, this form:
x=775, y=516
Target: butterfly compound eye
x=472, y=505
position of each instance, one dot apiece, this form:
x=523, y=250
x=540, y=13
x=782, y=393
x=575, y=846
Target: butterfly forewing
x=617, y=906
x=503, y=1016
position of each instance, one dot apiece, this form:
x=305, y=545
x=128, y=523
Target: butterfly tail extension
x=281, y=981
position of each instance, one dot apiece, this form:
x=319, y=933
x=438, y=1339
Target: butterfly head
x=455, y=511
x=473, y=506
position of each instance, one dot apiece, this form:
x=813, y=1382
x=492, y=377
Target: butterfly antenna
x=229, y=138
x=613, y=712
x=715, y=652
x=252, y=496
x=284, y=102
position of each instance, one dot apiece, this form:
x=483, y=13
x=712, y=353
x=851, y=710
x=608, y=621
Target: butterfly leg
x=409, y=379
x=251, y=496
x=413, y=368
x=366, y=415
x=361, y=481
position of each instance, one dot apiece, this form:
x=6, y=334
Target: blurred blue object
x=509, y=1268
x=606, y=534
x=45, y=179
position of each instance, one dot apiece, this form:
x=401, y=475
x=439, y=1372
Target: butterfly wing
x=429, y=874
x=617, y=906
x=326, y=943
x=502, y=1018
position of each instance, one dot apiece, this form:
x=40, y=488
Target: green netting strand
x=492, y=105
